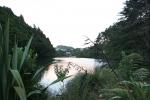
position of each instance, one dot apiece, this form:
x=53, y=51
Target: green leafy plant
x=10, y=67
x=60, y=72
x=4, y=61
x=129, y=64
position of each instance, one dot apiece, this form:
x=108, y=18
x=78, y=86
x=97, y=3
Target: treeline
x=66, y=51
x=20, y=31
x=130, y=34
x=88, y=52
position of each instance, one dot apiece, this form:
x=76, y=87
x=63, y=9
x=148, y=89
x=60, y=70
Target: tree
x=21, y=31
x=130, y=33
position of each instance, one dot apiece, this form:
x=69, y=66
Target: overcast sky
x=67, y=21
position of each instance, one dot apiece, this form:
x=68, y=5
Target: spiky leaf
x=21, y=93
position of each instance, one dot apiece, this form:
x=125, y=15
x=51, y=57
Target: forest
x=124, y=48
x=21, y=32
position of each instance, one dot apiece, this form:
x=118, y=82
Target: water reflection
x=75, y=65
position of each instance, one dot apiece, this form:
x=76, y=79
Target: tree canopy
x=21, y=31
x=131, y=33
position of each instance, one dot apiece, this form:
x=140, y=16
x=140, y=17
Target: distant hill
x=68, y=51
x=63, y=51
x=20, y=30
x=64, y=48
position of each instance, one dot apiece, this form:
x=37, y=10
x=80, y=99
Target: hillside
x=21, y=31
x=64, y=48
x=65, y=51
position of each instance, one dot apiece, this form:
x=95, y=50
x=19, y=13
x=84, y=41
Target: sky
x=66, y=22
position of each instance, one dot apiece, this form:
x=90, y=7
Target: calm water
x=77, y=65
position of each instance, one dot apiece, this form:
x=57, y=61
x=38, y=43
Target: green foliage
x=20, y=89
x=88, y=86
x=138, y=90
x=60, y=72
x=6, y=65
x=134, y=84
x=85, y=52
x=141, y=74
x=102, y=83
x=78, y=88
x=105, y=76
x=60, y=53
x=37, y=74
x=129, y=90
x=21, y=31
x=115, y=94
x=61, y=76
x=11, y=67
x=4, y=61
x=130, y=34
x=25, y=53
x=129, y=64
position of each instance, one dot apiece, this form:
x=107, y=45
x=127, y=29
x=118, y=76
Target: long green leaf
x=5, y=60
x=117, y=90
x=6, y=43
x=56, y=81
x=17, y=77
x=1, y=35
x=34, y=92
x=15, y=57
x=21, y=93
x=1, y=54
x=25, y=53
x=37, y=74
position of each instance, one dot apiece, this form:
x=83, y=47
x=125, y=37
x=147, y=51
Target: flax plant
x=10, y=66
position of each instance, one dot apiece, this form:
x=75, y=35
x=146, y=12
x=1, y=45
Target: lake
x=75, y=66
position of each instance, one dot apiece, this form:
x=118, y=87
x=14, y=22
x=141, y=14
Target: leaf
x=141, y=73
x=5, y=60
x=20, y=90
x=117, y=90
x=25, y=52
x=38, y=72
x=21, y=93
x=15, y=57
x=6, y=44
x=17, y=77
x=125, y=82
x=1, y=35
x=34, y=92
x=115, y=98
x=56, y=81
x=9, y=61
